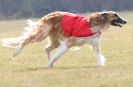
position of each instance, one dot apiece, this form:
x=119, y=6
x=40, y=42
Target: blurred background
x=75, y=68
x=15, y=9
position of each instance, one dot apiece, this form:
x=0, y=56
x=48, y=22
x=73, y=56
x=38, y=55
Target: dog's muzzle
x=118, y=22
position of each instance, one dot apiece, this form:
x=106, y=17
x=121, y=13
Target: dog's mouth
x=118, y=22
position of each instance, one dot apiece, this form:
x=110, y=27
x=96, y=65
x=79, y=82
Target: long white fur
x=11, y=42
x=14, y=42
x=30, y=28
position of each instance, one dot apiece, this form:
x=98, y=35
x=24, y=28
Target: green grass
x=71, y=70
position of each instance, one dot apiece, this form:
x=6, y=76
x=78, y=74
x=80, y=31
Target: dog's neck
x=100, y=28
x=98, y=25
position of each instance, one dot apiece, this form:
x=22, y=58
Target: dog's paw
x=14, y=54
x=49, y=67
x=101, y=61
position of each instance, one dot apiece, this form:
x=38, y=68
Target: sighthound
x=65, y=30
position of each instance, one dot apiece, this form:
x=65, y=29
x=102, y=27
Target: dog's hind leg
x=49, y=49
x=36, y=36
x=53, y=44
x=20, y=47
x=18, y=50
x=62, y=48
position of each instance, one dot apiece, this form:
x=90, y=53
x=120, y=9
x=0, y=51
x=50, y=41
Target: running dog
x=66, y=30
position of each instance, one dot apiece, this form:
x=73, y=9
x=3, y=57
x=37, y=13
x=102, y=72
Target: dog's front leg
x=62, y=48
x=95, y=42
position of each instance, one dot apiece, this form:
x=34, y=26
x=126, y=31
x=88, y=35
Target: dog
x=66, y=30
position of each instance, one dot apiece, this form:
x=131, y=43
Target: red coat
x=75, y=25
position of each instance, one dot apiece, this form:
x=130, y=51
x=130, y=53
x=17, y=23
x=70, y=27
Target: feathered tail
x=11, y=42
x=14, y=42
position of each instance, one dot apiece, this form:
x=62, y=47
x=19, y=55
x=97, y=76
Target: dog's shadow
x=76, y=67
x=30, y=69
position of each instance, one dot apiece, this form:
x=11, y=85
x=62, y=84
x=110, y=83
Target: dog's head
x=113, y=18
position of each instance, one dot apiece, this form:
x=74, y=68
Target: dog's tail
x=35, y=32
x=14, y=42
x=11, y=42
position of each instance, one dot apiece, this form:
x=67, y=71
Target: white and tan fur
x=50, y=26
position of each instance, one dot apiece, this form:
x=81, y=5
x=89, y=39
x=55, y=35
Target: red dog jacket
x=75, y=25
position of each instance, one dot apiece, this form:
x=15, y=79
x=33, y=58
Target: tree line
x=38, y=8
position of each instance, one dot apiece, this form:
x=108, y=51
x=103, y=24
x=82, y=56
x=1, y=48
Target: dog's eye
x=116, y=15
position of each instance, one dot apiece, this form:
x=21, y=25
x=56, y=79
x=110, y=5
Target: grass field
x=72, y=70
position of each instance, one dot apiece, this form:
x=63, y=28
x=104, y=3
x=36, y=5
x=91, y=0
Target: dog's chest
x=101, y=28
x=83, y=40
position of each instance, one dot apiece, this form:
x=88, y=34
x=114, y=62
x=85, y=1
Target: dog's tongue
x=117, y=24
x=120, y=25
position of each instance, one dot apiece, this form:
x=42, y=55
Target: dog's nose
x=124, y=22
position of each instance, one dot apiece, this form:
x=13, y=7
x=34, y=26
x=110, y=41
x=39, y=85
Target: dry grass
x=72, y=70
